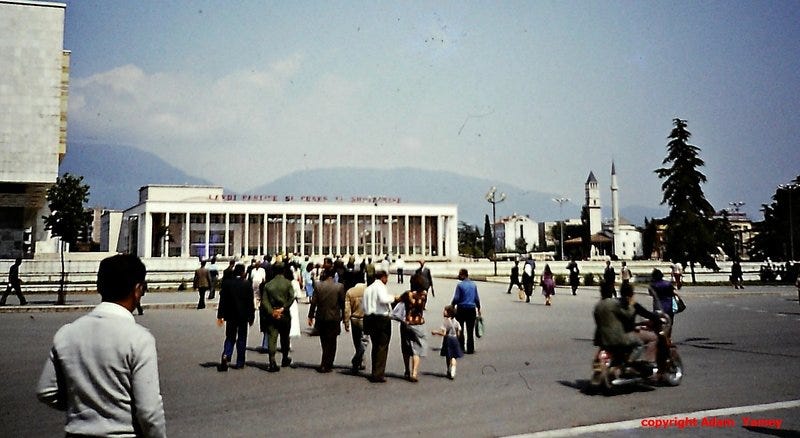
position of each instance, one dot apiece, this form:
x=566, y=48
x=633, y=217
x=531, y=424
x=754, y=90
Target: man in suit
x=278, y=297
x=354, y=315
x=326, y=313
x=426, y=273
x=201, y=283
x=236, y=309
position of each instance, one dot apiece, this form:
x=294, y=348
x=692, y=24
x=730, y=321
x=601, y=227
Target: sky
x=533, y=94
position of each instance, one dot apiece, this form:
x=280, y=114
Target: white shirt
x=258, y=275
x=110, y=369
x=399, y=264
x=377, y=299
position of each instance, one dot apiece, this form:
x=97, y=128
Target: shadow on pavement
x=773, y=432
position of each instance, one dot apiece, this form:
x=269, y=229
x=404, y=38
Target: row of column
x=147, y=226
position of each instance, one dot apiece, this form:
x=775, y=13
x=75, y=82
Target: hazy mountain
x=115, y=174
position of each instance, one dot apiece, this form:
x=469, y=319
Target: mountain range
x=115, y=173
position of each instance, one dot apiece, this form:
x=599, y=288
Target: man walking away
x=103, y=368
x=377, y=304
x=468, y=307
x=236, y=309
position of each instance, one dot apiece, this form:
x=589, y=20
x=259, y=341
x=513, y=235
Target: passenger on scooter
x=615, y=330
x=647, y=337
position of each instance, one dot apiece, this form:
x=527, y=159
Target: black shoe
x=238, y=366
x=374, y=379
x=286, y=361
x=323, y=370
x=223, y=365
x=273, y=368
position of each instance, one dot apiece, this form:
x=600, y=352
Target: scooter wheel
x=674, y=372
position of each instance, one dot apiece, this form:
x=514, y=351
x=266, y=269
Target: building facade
x=515, y=227
x=202, y=221
x=33, y=92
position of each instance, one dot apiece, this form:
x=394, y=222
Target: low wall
x=44, y=273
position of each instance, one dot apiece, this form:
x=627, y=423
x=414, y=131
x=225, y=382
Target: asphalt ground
x=529, y=373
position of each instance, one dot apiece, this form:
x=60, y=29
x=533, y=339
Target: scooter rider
x=615, y=326
x=630, y=307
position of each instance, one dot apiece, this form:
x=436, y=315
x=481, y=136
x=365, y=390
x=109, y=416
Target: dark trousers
x=212, y=288
x=17, y=291
x=235, y=334
x=399, y=275
x=201, y=304
x=359, y=342
x=379, y=328
x=328, y=332
x=278, y=328
x=513, y=282
x=466, y=316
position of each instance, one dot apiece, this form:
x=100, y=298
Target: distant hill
x=115, y=173
x=422, y=186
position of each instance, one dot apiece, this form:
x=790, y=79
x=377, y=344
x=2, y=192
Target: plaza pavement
x=527, y=375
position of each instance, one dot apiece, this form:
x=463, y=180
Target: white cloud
x=277, y=113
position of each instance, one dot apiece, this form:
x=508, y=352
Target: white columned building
x=202, y=221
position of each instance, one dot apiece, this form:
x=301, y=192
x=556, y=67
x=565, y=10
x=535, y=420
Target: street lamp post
x=492, y=199
x=561, y=202
x=790, y=188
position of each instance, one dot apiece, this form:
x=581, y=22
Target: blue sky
x=532, y=93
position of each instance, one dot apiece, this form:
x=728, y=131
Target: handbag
x=678, y=305
x=479, y=328
x=399, y=312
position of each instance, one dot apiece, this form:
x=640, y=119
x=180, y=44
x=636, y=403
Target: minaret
x=593, y=204
x=615, y=209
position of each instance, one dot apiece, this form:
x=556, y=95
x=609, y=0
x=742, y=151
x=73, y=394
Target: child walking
x=451, y=348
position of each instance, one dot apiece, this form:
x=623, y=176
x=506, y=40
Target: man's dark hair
x=626, y=290
x=118, y=276
x=238, y=270
x=419, y=283
x=657, y=275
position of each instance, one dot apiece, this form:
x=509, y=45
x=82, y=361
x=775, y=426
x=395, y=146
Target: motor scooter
x=613, y=369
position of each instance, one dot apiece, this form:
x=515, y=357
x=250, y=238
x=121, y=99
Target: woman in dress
x=412, y=333
x=548, y=285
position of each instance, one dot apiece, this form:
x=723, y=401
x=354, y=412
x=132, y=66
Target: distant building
x=514, y=227
x=33, y=92
x=202, y=221
x=615, y=238
x=742, y=229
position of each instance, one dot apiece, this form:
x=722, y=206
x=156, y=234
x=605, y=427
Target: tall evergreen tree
x=690, y=230
x=488, y=238
x=68, y=217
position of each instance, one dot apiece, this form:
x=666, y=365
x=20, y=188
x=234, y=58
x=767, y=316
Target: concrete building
x=514, y=227
x=33, y=92
x=202, y=221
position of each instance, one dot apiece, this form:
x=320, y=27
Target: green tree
x=488, y=238
x=521, y=246
x=68, y=217
x=779, y=233
x=468, y=237
x=689, y=234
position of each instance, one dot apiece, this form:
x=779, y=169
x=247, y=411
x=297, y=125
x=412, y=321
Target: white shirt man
x=377, y=303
